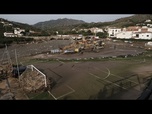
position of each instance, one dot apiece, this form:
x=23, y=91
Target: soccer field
x=102, y=79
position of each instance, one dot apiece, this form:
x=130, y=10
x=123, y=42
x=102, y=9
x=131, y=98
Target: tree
x=102, y=34
x=44, y=33
x=24, y=33
x=86, y=33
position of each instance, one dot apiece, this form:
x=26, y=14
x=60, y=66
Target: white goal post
x=33, y=67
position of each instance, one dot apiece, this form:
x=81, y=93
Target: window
x=137, y=35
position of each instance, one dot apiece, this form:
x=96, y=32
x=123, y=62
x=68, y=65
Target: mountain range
x=66, y=24
x=58, y=23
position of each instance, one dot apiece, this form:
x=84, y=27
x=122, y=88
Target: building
x=142, y=35
x=133, y=28
x=96, y=30
x=113, y=31
x=9, y=34
x=18, y=31
x=134, y=35
x=124, y=35
x=148, y=20
x=135, y=32
x=7, y=24
x=149, y=25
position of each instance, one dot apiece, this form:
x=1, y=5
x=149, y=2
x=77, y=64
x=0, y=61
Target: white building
x=149, y=30
x=85, y=30
x=143, y=35
x=96, y=30
x=148, y=20
x=2, y=22
x=124, y=35
x=7, y=24
x=144, y=27
x=18, y=30
x=9, y=34
x=149, y=25
x=113, y=31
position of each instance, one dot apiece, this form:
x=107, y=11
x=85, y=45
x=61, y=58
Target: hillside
x=20, y=25
x=122, y=22
x=25, y=26
x=8, y=26
x=132, y=20
x=65, y=24
x=57, y=23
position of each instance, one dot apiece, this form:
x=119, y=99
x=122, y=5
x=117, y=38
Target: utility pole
x=95, y=33
x=7, y=54
x=17, y=65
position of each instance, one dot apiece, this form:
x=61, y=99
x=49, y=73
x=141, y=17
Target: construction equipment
x=84, y=44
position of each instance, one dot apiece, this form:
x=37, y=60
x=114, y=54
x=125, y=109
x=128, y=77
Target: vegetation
x=2, y=30
x=57, y=23
x=28, y=28
x=9, y=40
x=66, y=25
x=102, y=34
x=25, y=26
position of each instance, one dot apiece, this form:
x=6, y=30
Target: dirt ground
x=121, y=49
x=87, y=80
x=102, y=79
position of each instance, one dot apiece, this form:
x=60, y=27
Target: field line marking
x=94, y=75
x=67, y=93
x=125, y=79
x=107, y=81
x=70, y=87
x=52, y=95
x=118, y=76
x=108, y=73
x=60, y=61
x=115, y=84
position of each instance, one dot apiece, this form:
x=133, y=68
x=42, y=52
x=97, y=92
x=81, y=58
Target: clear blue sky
x=34, y=18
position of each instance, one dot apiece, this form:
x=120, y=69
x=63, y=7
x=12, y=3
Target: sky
x=35, y=18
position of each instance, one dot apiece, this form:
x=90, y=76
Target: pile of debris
x=5, y=93
x=32, y=81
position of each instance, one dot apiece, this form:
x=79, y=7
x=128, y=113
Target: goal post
x=33, y=67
